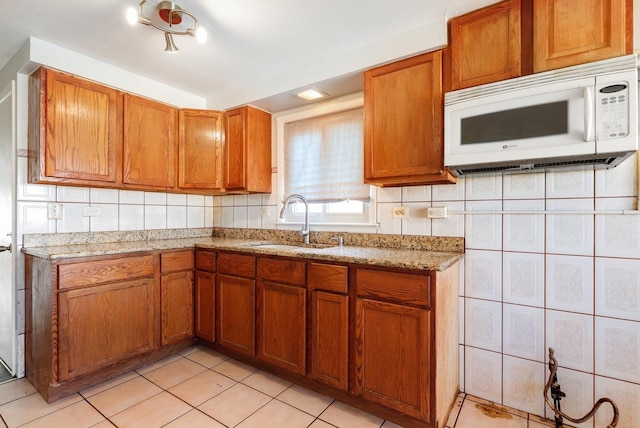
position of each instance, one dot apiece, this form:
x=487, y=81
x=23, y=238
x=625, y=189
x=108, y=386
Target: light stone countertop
x=389, y=256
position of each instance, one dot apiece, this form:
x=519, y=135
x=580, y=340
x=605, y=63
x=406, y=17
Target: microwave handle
x=588, y=113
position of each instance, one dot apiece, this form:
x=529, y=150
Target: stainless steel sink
x=300, y=246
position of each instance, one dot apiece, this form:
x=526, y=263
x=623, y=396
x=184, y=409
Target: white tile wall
x=617, y=235
x=523, y=332
x=523, y=381
x=524, y=186
x=626, y=395
x=571, y=336
x=618, y=353
x=570, y=233
x=483, y=274
x=523, y=232
x=618, y=288
x=578, y=387
x=483, y=231
x=523, y=278
x=570, y=283
x=483, y=374
x=483, y=324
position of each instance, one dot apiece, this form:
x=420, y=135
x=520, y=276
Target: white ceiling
x=258, y=50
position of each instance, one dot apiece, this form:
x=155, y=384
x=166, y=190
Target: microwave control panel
x=612, y=104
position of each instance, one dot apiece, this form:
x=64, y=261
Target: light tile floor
x=202, y=388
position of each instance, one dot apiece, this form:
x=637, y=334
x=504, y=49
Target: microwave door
x=536, y=122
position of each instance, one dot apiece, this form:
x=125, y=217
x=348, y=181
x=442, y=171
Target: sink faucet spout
x=305, y=229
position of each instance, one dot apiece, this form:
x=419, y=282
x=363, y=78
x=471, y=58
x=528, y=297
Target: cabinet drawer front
x=95, y=272
x=237, y=265
x=206, y=260
x=172, y=262
x=282, y=270
x=328, y=277
x=401, y=287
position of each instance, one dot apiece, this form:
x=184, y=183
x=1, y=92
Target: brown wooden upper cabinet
x=247, y=152
x=403, y=124
x=520, y=37
x=200, y=150
x=150, y=143
x=569, y=32
x=74, y=130
x=486, y=45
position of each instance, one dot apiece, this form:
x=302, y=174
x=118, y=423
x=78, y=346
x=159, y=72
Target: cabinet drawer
x=172, y=262
x=282, y=270
x=328, y=277
x=206, y=260
x=99, y=271
x=237, y=265
x=400, y=287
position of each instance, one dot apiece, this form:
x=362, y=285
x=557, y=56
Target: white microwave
x=584, y=115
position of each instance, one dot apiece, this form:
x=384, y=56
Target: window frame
x=348, y=102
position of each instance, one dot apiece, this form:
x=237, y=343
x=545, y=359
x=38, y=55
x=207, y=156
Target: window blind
x=324, y=157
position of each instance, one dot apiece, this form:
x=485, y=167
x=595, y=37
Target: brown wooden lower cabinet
x=236, y=302
x=89, y=319
x=282, y=313
x=100, y=325
x=205, y=289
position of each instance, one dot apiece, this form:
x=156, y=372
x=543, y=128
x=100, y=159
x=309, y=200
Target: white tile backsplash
x=416, y=194
x=418, y=223
x=523, y=380
x=626, y=395
x=195, y=200
x=483, y=231
x=155, y=198
x=483, y=327
x=524, y=186
x=448, y=192
x=73, y=194
x=523, y=332
x=483, y=374
x=176, y=199
x=570, y=283
x=131, y=217
x=31, y=192
x=571, y=337
x=483, y=187
x=73, y=219
x=176, y=216
x=483, y=276
x=107, y=220
x=134, y=197
x=103, y=196
x=578, y=387
x=195, y=217
x=570, y=233
x=617, y=235
x=524, y=232
x=240, y=219
x=618, y=288
x=570, y=184
x=618, y=181
x=453, y=225
x=389, y=194
x=523, y=278
x=618, y=355
x=155, y=217
x=388, y=224
x=32, y=218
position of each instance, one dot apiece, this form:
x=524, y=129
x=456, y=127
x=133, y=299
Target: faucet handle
x=340, y=240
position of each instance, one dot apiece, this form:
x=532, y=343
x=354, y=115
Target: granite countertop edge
x=418, y=259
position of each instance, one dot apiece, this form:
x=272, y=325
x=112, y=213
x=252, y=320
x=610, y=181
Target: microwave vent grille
x=604, y=162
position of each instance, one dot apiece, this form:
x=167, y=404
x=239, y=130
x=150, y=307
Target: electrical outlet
x=400, y=212
x=437, y=212
x=92, y=211
x=265, y=212
x=54, y=211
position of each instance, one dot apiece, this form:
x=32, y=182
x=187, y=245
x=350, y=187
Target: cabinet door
x=485, y=45
x=102, y=324
x=236, y=313
x=569, y=32
x=392, y=361
x=200, y=150
x=403, y=141
x=247, y=158
x=177, y=306
x=282, y=325
x=330, y=339
x=205, y=305
x=149, y=149
x=74, y=133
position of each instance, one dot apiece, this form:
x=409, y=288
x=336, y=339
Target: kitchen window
x=320, y=156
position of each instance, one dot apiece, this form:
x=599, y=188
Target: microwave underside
x=595, y=161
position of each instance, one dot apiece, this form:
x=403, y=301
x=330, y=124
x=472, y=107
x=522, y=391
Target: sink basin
x=292, y=246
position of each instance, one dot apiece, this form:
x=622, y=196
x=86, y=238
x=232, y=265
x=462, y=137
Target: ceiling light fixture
x=168, y=20
x=311, y=94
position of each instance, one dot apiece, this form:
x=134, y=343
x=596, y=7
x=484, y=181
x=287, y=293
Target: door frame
x=9, y=94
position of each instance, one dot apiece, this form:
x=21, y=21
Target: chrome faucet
x=305, y=229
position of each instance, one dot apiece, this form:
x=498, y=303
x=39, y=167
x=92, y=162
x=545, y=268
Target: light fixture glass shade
x=201, y=35
x=311, y=94
x=171, y=46
x=132, y=16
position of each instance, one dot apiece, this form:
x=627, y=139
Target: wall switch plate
x=265, y=212
x=91, y=211
x=400, y=212
x=54, y=210
x=437, y=212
